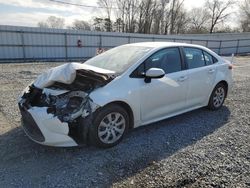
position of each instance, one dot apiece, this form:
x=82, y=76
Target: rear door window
x=194, y=58
x=208, y=58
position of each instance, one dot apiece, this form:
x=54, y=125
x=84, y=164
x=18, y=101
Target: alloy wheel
x=218, y=97
x=111, y=128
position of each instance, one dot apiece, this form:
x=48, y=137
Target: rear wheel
x=109, y=126
x=217, y=97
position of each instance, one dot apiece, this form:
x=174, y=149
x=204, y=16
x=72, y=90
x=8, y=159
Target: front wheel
x=109, y=126
x=217, y=97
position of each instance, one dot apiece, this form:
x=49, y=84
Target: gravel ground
x=197, y=149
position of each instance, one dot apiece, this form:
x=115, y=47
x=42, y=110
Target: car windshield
x=118, y=59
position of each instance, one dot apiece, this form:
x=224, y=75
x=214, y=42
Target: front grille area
x=30, y=126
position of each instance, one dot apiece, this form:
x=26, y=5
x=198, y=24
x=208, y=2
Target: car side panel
x=201, y=81
x=164, y=96
x=222, y=74
x=122, y=89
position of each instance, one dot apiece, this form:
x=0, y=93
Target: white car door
x=201, y=74
x=163, y=96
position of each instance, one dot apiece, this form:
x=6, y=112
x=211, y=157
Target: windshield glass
x=118, y=59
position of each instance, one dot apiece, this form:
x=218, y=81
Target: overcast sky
x=30, y=12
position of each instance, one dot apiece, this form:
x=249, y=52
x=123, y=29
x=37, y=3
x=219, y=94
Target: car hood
x=66, y=74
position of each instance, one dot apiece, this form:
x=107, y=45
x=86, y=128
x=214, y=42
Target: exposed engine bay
x=66, y=106
x=66, y=101
x=64, y=96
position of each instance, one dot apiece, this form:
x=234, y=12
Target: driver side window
x=168, y=59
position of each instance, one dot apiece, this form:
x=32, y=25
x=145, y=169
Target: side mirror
x=153, y=73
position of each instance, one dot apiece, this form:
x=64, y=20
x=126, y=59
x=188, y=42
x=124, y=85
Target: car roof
x=162, y=44
x=159, y=45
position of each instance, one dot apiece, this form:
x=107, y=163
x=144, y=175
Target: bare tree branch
x=218, y=11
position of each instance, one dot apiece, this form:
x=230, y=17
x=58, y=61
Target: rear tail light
x=230, y=67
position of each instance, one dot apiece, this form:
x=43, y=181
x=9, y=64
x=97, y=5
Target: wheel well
x=225, y=84
x=129, y=111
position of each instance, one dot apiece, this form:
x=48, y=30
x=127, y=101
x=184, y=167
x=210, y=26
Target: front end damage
x=56, y=109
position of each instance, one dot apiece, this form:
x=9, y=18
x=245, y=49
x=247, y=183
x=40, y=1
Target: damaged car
x=98, y=101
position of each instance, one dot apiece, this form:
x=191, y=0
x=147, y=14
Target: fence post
x=100, y=41
x=237, y=47
x=129, y=39
x=66, y=46
x=23, y=45
x=206, y=43
x=219, y=47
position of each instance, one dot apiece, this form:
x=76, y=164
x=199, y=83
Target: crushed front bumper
x=45, y=128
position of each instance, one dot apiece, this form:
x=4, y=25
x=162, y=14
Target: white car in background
x=132, y=85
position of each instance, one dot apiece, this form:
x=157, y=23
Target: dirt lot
x=198, y=149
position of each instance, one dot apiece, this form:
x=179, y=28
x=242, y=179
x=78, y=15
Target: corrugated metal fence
x=25, y=44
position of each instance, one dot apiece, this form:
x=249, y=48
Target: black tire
x=212, y=104
x=99, y=117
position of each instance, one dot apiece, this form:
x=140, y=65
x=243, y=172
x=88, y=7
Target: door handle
x=211, y=71
x=182, y=78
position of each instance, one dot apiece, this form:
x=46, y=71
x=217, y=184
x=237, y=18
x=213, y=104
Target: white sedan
x=132, y=85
